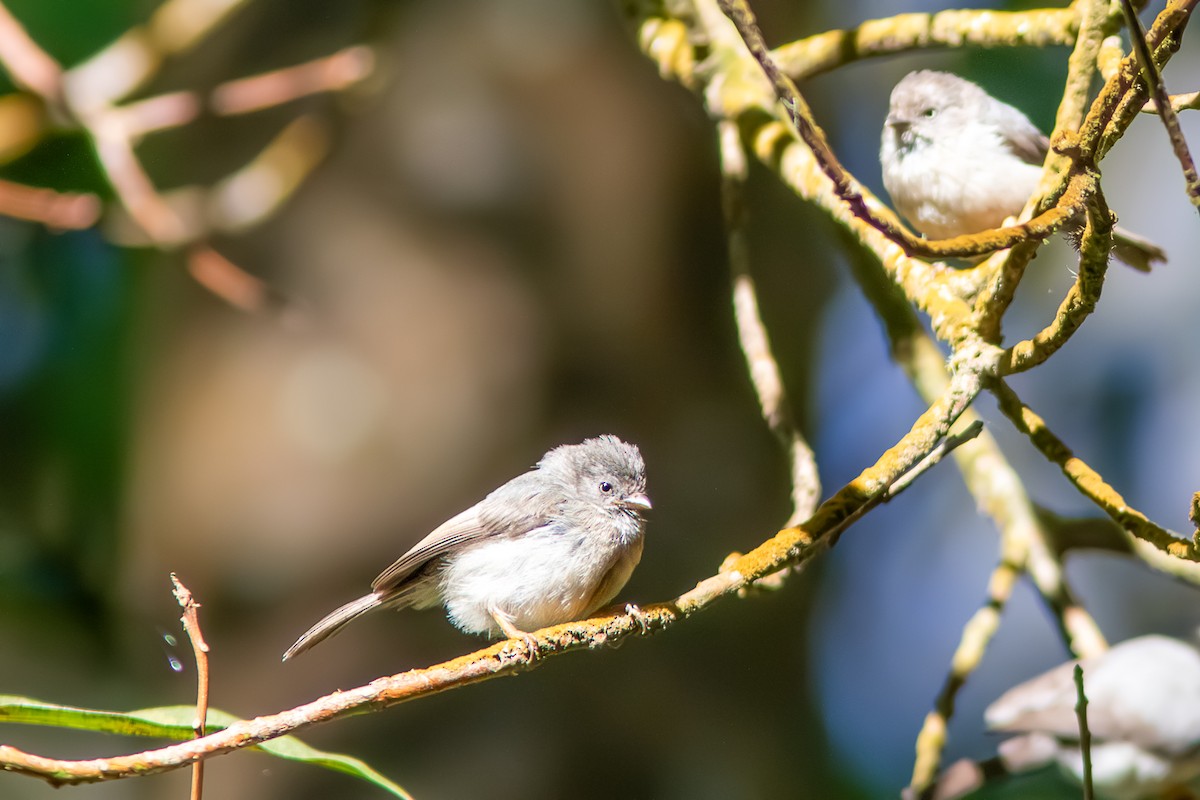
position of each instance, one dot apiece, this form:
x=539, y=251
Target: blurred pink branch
x=227, y=280
x=30, y=66
x=328, y=74
x=86, y=98
x=58, y=210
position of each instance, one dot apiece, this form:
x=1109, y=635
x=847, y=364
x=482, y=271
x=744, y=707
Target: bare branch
x=1085, y=735
x=1162, y=102
x=752, y=333
x=62, y=211
x=191, y=624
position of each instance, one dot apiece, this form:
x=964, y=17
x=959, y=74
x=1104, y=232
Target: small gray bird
x=549, y=546
x=1143, y=714
x=958, y=161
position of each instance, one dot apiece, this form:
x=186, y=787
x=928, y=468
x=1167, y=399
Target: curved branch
x=995, y=298
x=1087, y=480
x=826, y=51
x=1076, y=307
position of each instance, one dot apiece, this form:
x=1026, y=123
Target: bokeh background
x=516, y=242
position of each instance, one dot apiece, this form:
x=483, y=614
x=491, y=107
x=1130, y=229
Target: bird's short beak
x=898, y=124
x=638, y=501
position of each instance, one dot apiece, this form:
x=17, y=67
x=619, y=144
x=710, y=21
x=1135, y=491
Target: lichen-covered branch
x=1076, y=307
x=1124, y=95
x=1087, y=480
x=1162, y=102
x=1006, y=273
x=787, y=548
x=823, y=52
x=1025, y=542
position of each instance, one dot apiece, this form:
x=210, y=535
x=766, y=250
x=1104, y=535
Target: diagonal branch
x=1025, y=542
x=30, y=66
x=1162, y=102
x=752, y=333
x=788, y=547
x=1087, y=480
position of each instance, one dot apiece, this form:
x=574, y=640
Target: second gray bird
x=550, y=546
x=958, y=161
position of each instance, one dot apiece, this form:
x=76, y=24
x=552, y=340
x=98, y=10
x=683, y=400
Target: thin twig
x=1179, y=102
x=158, y=113
x=191, y=624
x=1162, y=101
x=1085, y=735
x=947, y=446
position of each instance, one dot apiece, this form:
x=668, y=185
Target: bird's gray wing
x=1132, y=689
x=514, y=508
x=1044, y=704
x=1020, y=135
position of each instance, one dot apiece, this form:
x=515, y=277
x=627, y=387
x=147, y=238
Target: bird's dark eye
x=605, y=487
x=929, y=112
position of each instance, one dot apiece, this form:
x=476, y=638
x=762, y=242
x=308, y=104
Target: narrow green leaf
x=175, y=722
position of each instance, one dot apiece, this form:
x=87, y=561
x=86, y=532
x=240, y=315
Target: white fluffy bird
x=1143, y=713
x=957, y=161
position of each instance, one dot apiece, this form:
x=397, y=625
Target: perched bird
x=958, y=161
x=1143, y=713
x=549, y=546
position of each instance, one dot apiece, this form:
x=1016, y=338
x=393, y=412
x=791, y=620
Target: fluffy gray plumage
x=1143, y=715
x=958, y=161
x=549, y=546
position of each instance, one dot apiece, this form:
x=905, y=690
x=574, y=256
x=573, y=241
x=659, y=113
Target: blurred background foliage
x=516, y=242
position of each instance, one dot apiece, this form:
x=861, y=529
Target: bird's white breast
x=547, y=576
x=960, y=184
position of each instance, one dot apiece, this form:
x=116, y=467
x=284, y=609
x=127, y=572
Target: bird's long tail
x=1135, y=250
x=334, y=622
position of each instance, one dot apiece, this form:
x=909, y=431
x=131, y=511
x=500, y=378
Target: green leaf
x=175, y=722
